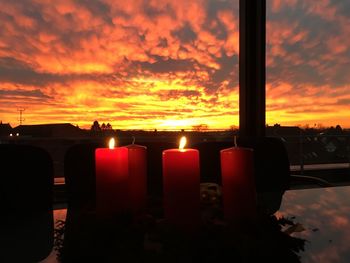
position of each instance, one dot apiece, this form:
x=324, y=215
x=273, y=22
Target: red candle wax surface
x=137, y=176
x=181, y=187
x=111, y=180
x=238, y=184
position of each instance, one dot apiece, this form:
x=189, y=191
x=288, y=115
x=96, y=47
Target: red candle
x=137, y=176
x=181, y=191
x=238, y=186
x=111, y=179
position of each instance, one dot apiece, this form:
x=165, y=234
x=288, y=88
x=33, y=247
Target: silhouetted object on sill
x=79, y=173
x=272, y=167
x=209, y=157
x=26, y=198
x=154, y=165
x=80, y=178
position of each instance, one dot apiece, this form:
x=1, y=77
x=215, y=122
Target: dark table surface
x=322, y=217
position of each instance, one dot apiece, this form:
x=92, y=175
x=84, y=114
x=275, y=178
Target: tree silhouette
x=338, y=128
x=200, y=127
x=95, y=127
x=106, y=127
x=233, y=127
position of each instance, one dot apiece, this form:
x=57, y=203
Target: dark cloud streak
x=24, y=93
x=185, y=34
x=19, y=72
x=168, y=65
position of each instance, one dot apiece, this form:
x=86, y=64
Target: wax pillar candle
x=238, y=186
x=137, y=176
x=111, y=179
x=181, y=187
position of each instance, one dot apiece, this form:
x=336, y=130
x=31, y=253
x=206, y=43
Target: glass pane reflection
x=324, y=213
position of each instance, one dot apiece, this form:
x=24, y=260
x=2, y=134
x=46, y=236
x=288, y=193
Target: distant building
x=278, y=130
x=49, y=130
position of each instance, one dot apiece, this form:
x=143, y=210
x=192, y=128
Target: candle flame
x=111, y=143
x=183, y=142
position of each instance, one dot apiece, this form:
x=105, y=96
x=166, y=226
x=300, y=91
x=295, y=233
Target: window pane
x=308, y=78
x=135, y=64
x=308, y=63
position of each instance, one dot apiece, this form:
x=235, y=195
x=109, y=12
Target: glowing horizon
x=168, y=64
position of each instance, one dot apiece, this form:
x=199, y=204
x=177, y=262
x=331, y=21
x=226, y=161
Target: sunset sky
x=146, y=64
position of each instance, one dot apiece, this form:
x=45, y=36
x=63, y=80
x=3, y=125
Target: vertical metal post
x=252, y=43
x=21, y=119
x=348, y=148
x=301, y=154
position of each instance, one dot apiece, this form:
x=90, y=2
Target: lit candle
x=181, y=190
x=111, y=179
x=137, y=176
x=238, y=185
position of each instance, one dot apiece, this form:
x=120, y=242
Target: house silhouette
x=5, y=129
x=49, y=130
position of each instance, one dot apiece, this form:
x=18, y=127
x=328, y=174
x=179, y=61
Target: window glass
x=134, y=64
x=308, y=78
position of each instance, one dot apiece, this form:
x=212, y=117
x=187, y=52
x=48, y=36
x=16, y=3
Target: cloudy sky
x=168, y=64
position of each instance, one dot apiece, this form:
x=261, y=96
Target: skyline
x=169, y=64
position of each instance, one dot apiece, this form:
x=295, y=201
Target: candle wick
x=133, y=139
x=235, y=140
